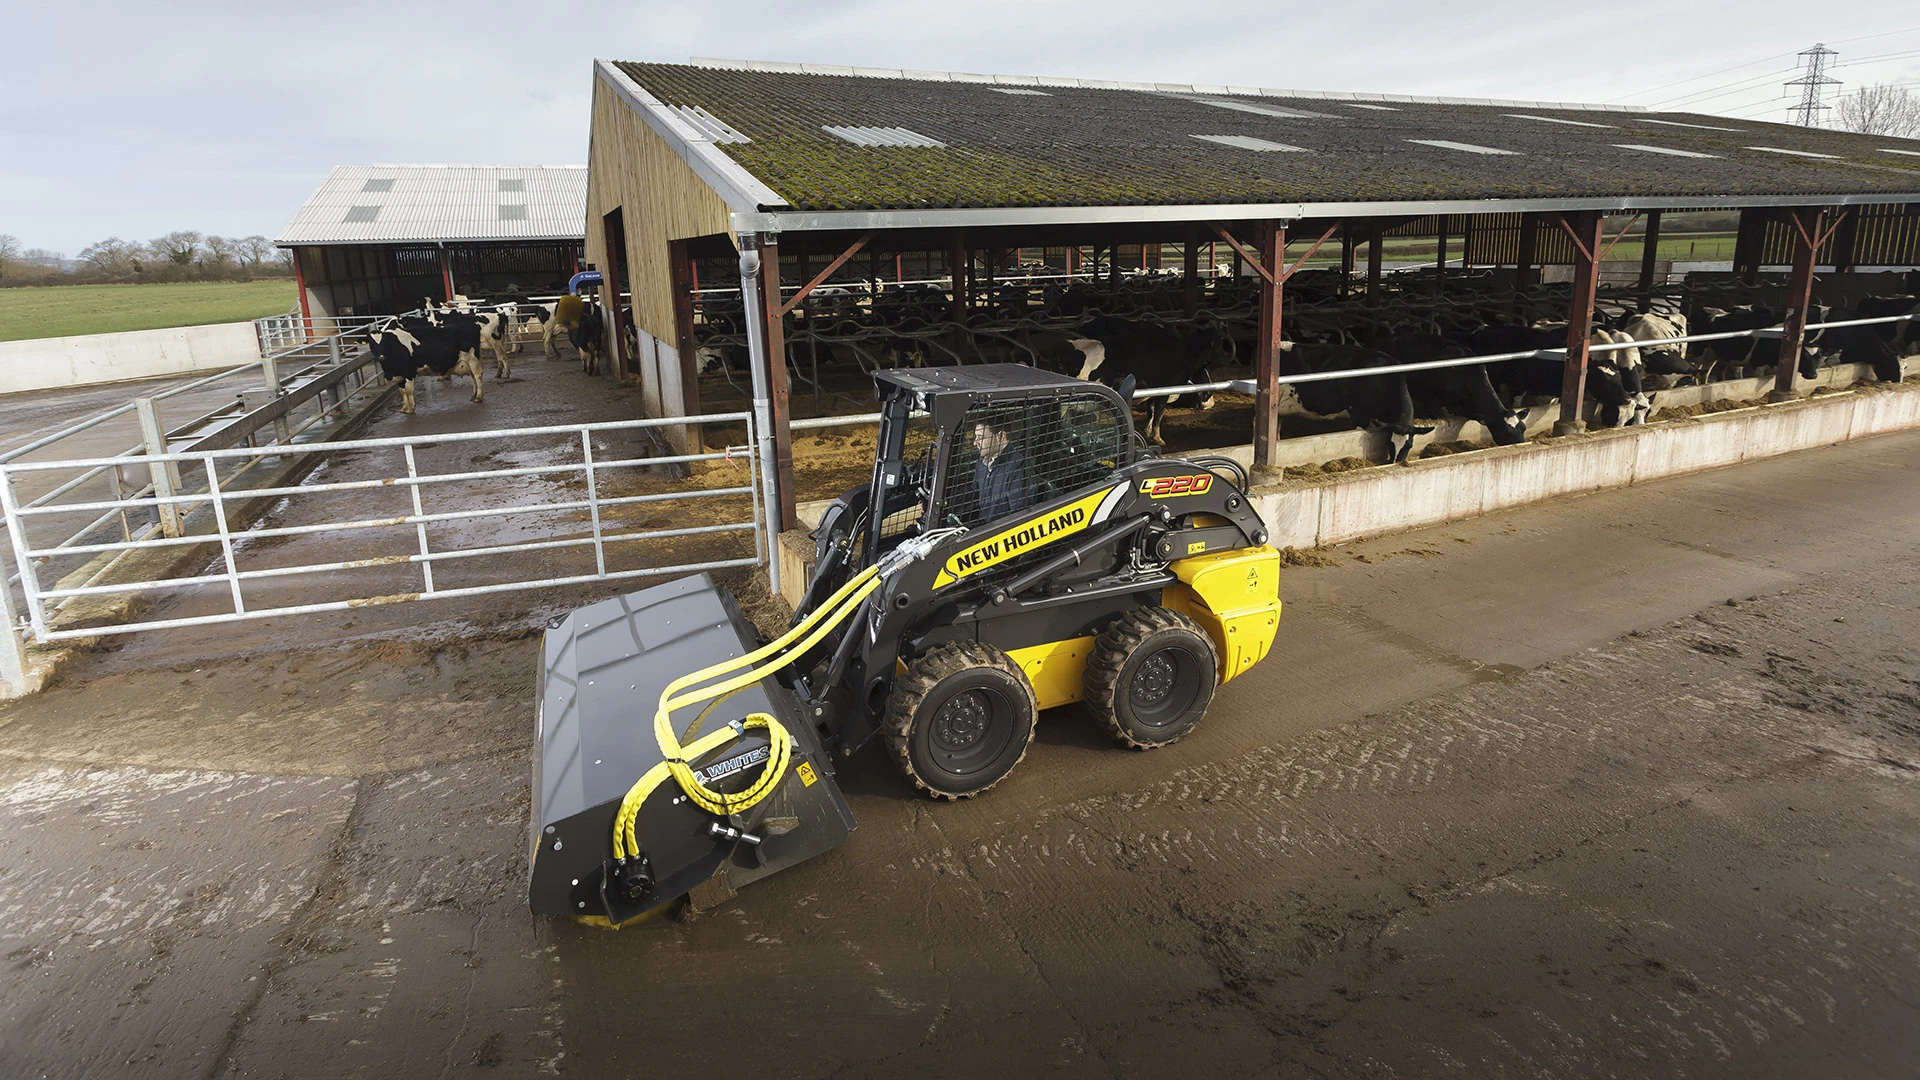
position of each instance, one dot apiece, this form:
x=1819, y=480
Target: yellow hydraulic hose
x=817, y=625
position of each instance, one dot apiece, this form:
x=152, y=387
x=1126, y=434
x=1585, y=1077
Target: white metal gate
x=193, y=506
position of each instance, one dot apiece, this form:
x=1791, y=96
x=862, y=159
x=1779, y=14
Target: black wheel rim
x=970, y=730
x=1164, y=686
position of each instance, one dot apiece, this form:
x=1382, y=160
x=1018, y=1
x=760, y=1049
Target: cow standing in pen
x=447, y=346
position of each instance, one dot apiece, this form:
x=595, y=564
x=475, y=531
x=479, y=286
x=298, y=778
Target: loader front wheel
x=1150, y=678
x=959, y=719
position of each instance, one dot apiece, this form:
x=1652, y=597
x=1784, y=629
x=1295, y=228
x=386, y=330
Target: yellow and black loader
x=1016, y=549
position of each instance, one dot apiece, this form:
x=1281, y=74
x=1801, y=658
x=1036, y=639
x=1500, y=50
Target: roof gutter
x=976, y=217
x=741, y=191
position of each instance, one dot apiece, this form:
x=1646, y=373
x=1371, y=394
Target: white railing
x=206, y=522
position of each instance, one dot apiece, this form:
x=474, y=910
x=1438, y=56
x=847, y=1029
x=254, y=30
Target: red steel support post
x=1585, y=227
x=300, y=285
x=1266, y=400
x=446, y=275
x=1805, y=224
x=777, y=383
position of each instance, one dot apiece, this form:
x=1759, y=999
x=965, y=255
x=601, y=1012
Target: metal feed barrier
x=204, y=517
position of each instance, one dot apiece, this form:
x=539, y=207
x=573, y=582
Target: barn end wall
x=91, y=359
x=631, y=169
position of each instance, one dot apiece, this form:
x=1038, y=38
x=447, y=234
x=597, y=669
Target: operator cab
x=965, y=447
x=968, y=446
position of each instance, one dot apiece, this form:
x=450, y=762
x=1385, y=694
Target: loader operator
x=1000, y=478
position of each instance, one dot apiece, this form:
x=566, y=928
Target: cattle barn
x=377, y=239
x=865, y=190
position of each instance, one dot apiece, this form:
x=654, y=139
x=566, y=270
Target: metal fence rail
x=226, y=541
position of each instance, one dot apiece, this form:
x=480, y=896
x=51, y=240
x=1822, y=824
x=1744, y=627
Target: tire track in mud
x=1233, y=872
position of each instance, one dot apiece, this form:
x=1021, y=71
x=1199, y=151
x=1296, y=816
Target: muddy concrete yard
x=1627, y=785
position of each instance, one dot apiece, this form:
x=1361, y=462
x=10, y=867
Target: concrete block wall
x=662, y=391
x=1392, y=498
x=1373, y=445
x=48, y=363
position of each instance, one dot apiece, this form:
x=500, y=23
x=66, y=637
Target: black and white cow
x=448, y=346
x=589, y=337
x=1882, y=344
x=1154, y=354
x=1457, y=391
x=1664, y=362
x=1375, y=402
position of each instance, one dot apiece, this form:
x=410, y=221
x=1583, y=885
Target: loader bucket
x=603, y=669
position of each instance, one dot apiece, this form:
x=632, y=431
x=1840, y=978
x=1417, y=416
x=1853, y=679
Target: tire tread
x=910, y=690
x=1110, y=651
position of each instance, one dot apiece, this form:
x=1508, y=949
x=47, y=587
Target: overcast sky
x=136, y=119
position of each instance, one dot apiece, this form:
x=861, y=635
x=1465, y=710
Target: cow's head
x=1508, y=429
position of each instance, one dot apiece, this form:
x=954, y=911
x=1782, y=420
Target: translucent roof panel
x=390, y=204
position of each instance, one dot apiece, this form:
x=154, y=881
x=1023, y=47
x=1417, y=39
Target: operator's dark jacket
x=1005, y=487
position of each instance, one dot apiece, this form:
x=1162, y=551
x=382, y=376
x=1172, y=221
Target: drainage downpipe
x=757, y=362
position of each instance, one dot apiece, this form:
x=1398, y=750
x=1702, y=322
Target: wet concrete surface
x=1618, y=786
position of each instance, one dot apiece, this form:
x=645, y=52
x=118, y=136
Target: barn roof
x=387, y=204
x=821, y=147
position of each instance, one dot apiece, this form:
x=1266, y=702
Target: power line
x=1879, y=59
x=1711, y=93
x=1756, y=63
x=1881, y=34
x=1697, y=78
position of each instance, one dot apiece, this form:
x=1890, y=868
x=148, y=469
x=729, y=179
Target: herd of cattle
x=446, y=340
x=907, y=326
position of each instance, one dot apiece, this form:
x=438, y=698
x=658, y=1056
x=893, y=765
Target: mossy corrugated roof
x=1080, y=146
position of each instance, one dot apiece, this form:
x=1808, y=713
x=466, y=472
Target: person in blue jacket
x=1001, y=477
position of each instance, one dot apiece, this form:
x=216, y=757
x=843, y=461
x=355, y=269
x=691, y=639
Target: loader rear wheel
x=1151, y=677
x=960, y=719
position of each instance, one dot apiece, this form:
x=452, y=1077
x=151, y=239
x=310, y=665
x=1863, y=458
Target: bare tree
x=220, y=253
x=9, y=252
x=113, y=257
x=178, y=248
x=254, y=250
x=1884, y=109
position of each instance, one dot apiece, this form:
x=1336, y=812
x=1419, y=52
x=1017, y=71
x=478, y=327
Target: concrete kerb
x=1393, y=498
x=44, y=663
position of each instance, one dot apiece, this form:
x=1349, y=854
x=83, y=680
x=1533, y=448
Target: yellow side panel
x=1055, y=669
x=1235, y=596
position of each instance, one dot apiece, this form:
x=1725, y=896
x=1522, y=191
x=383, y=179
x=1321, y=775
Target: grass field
x=66, y=310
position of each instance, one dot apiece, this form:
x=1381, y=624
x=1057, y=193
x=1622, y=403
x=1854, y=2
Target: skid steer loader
x=1016, y=549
